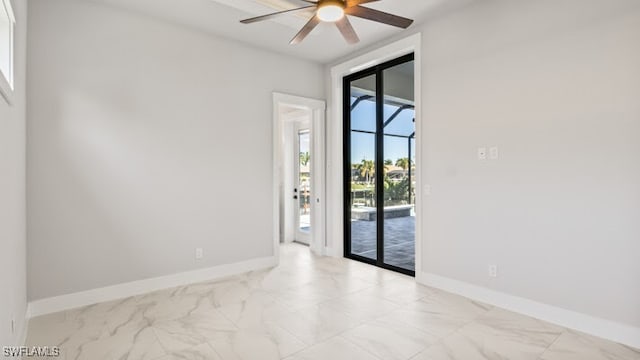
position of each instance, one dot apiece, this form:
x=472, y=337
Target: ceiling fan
x=335, y=11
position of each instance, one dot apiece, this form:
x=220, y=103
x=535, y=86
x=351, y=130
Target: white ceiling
x=325, y=44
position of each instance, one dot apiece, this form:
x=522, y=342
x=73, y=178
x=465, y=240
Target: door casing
x=318, y=241
x=376, y=70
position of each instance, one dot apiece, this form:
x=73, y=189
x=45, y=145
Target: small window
x=7, y=24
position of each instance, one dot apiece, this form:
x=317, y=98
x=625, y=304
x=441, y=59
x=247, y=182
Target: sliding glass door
x=379, y=166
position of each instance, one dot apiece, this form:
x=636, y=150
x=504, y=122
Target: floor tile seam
x=155, y=334
x=357, y=322
x=542, y=322
x=564, y=331
x=341, y=335
x=292, y=355
x=289, y=288
x=360, y=322
x=290, y=333
x=215, y=351
x=307, y=346
x=157, y=339
x=349, y=328
x=432, y=293
x=414, y=328
x=442, y=339
x=426, y=346
x=350, y=292
x=341, y=296
x=505, y=334
x=200, y=336
x=405, y=303
x=204, y=337
x=473, y=318
x=334, y=336
x=457, y=330
x=460, y=331
x=294, y=309
x=91, y=340
x=523, y=330
x=227, y=318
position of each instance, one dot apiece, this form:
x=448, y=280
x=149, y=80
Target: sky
x=363, y=117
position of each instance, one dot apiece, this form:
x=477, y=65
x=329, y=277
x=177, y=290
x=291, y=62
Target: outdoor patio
x=399, y=238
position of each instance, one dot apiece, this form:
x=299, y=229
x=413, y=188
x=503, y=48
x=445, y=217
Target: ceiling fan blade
x=349, y=34
x=270, y=16
x=379, y=16
x=351, y=3
x=306, y=29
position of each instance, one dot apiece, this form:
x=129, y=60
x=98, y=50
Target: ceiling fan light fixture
x=331, y=11
x=336, y=11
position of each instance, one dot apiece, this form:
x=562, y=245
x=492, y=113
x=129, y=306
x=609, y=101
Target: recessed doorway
x=299, y=171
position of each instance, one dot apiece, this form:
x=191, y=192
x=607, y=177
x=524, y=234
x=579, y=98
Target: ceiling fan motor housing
x=323, y=3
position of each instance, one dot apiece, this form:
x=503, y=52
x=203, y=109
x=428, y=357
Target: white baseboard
x=119, y=291
x=607, y=329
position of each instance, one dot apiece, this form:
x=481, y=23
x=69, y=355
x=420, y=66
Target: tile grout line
x=564, y=330
x=341, y=333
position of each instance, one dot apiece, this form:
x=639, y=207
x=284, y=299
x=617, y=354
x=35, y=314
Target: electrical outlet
x=199, y=253
x=493, y=271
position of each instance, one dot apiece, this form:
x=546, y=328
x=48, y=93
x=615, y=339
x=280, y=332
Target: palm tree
x=388, y=162
x=304, y=158
x=367, y=169
x=403, y=163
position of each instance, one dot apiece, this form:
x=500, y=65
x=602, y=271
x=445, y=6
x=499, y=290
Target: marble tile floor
x=310, y=308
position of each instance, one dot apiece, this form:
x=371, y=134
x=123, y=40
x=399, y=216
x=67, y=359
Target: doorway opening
x=301, y=193
x=299, y=171
x=379, y=165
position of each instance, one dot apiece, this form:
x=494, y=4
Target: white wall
x=146, y=140
x=555, y=85
x=13, y=297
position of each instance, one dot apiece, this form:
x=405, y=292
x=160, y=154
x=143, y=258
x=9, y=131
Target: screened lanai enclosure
x=380, y=167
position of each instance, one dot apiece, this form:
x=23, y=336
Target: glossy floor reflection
x=315, y=309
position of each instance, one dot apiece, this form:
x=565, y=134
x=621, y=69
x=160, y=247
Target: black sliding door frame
x=379, y=161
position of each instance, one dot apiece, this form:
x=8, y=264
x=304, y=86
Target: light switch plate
x=493, y=153
x=493, y=271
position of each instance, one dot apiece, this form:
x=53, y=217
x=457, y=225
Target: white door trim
x=318, y=211
x=334, y=141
